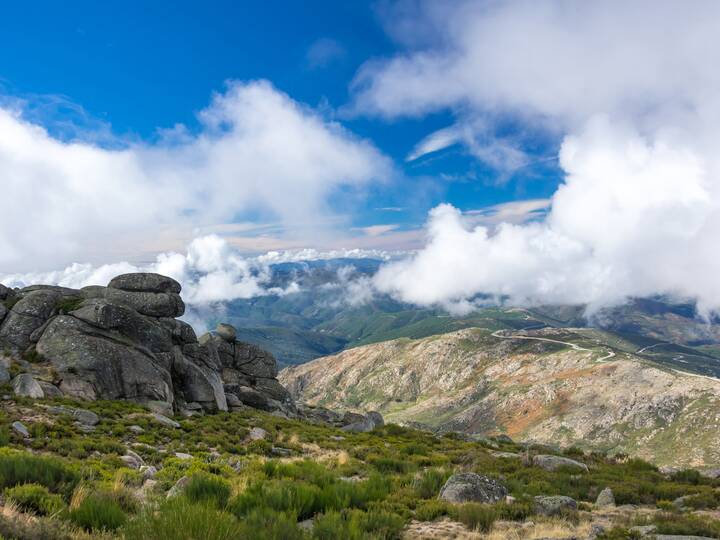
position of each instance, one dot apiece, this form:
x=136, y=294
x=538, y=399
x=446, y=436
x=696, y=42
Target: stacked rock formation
x=124, y=341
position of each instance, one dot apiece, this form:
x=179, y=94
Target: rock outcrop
x=124, y=341
x=471, y=487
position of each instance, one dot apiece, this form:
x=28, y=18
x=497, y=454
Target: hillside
x=320, y=318
x=565, y=387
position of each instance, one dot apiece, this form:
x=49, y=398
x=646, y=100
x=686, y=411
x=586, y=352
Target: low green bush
x=687, y=524
x=208, y=488
x=358, y=525
x=179, y=519
x=428, y=484
x=24, y=468
x=98, y=511
x=35, y=498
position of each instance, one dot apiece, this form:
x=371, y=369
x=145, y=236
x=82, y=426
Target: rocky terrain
x=124, y=341
x=118, y=423
x=558, y=387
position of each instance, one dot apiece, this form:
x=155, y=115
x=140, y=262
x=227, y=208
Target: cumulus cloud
x=256, y=151
x=210, y=271
x=631, y=92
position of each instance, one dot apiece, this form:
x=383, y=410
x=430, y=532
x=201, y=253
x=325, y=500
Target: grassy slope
x=239, y=490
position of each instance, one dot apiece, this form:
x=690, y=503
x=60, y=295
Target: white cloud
x=209, y=271
x=257, y=151
x=377, y=230
x=632, y=91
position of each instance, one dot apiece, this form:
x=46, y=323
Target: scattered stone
x=148, y=471
x=165, y=421
x=554, y=505
x=376, y=418
x=471, y=487
x=50, y=390
x=233, y=401
x=136, y=429
x=179, y=487
x=226, y=332
x=257, y=434
x=160, y=407
x=596, y=531
x=307, y=525
x=337, y=437
x=131, y=462
x=643, y=530
x=553, y=463
x=25, y=385
x=605, y=498
x=20, y=428
x=280, y=452
x=182, y=456
x=506, y=455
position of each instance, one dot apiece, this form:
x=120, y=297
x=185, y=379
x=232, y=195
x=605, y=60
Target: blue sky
x=560, y=152
x=140, y=66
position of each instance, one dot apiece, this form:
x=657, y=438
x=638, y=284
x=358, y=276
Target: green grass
x=98, y=511
x=35, y=498
x=23, y=468
x=208, y=489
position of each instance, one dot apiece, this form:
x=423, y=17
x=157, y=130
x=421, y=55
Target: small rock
x=226, y=332
x=193, y=406
x=164, y=420
x=85, y=417
x=131, y=462
x=147, y=488
x=178, y=488
x=280, y=452
x=162, y=408
x=554, y=505
x=24, y=385
x=136, y=429
x=605, y=498
x=232, y=400
x=553, y=463
x=505, y=455
x=471, y=487
x=307, y=525
x=257, y=434
x=50, y=390
x=148, y=471
x=596, y=530
x=183, y=456
x=337, y=437
x=643, y=530
x=363, y=426
x=376, y=418
x=20, y=428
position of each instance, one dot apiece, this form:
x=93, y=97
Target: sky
x=543, y=151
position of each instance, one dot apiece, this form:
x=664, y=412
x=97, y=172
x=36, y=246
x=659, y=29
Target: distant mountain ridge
x=319, y=319
x=553, y=386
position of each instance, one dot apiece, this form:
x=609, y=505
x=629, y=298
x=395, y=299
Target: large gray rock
x=554, y=505
x=146, y=303
x=605, y=498
x=553, y=463
x=3, y=312
x=27, y=315
x=25, y=385
x=376, y=418
x=198, y=383
x=114, y=369
x=226, y=332
x=471, y=487
x=145, y=282
x=5, y=292
x=140, y=329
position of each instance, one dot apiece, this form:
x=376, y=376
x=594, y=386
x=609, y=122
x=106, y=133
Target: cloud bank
x=630, y=90
x=256, y=151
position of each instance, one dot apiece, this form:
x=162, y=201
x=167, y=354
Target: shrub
x=35, y=498
x=358, y=525
x=22, y=468
x=476, y=516
x=431, y=510
x=299, y=498
x=429, y=483
x=208, y=488
x=179, y=519
x=98, y=512
x=690, y=525
x=266, y=524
